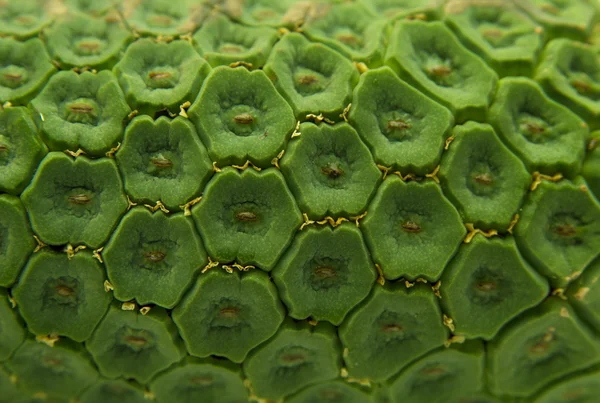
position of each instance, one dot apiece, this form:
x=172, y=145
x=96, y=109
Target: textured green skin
x=246, y=329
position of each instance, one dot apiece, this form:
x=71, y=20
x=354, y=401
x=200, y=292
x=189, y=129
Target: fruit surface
x=350, y=201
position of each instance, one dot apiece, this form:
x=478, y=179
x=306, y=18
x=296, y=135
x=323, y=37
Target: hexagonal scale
x=162, y=17
x=132, y=345
x=580, y=388
x=506, y=38
x=153, y=257
x=591, y=164
x=297, y=356
x=10, y=393
x=24, y=70
x=16, y=239
x=81, y=111
x=59, y=372
x=21, y=149
x=325, y=273
x=573, y=19
x=428, y=56
x=538, y=349
x=81, y=40
x=559, y=230
x=410, y=239
x=336, y=391
x=568, y=71
x=544, y=134
x=61, y=295
x=94, y=8
x=584, y=294
x=483, y=179
x=389, y=329
x=487, y=284
x=163, y=160
x=313, y=78
x=26, y=18
x=252, y=225
x=222, y=42
x=444, y=375
x=396, y=9
x=76, y=201
x=12, y=330
x=227, y=315
x=272, y=13
x=403, y=128
x=195, y=380
x=330, y=170
x=351, y=29
x=158, y=76
x=240, y=116
x=113, y=391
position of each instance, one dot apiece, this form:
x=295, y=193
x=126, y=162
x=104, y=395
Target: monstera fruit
x=303, y=201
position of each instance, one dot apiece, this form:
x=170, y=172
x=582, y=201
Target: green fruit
x=304, y=201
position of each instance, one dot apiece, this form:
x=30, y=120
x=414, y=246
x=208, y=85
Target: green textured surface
x=81, y=111
x=228, y=315
x=305, y=201
x=69, y=291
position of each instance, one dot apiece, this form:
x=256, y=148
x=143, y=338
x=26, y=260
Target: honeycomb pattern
x=179, y=224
